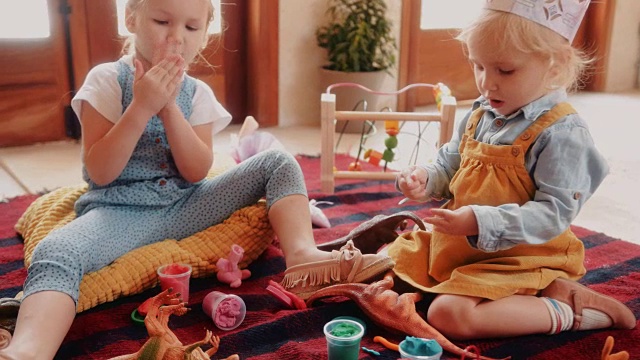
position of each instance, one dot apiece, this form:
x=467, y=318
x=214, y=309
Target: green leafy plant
x=358, y=36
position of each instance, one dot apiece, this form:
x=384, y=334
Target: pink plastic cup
x=226, y=310
x=175, y=276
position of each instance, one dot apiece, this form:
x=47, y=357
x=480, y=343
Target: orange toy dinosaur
x=163, y=343
x=608, y=347
x=390, y=310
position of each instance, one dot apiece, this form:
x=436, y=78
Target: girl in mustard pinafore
x=501, y=257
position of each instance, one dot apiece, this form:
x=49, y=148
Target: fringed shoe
x=348, y=265
x=580, y=297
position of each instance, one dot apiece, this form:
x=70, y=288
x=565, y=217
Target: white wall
x=300, y=59
x=624, y=53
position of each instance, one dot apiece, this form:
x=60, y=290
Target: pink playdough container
x=175, y=276
x=226, y=310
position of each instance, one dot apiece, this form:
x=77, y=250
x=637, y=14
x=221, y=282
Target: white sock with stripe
x=561, y=315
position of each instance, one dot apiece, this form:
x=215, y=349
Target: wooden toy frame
x=329, y=116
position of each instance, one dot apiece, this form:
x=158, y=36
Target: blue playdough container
x=419, y=349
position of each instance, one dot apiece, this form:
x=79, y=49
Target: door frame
x=262, y=61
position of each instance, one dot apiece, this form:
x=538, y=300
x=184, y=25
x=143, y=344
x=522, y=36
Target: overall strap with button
x=470, y=129
x=531, y=133
x=472, y=123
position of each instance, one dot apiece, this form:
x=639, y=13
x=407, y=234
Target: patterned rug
x=271, y=331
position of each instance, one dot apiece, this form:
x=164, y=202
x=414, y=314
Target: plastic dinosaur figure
x=608, y=347
x=372, y=234
x=390, y=310
x=163, y=343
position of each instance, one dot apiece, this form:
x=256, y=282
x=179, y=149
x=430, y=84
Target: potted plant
x=361, y=48
x=358, y=36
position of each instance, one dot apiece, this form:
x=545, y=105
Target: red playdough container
x=175, y=276
x=226, y=310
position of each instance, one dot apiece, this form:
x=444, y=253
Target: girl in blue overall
x=147, y=147
x=501, y=257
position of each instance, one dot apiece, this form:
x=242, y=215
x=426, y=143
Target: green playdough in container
x=420, y=347
x=345, y=330
x=343, y=339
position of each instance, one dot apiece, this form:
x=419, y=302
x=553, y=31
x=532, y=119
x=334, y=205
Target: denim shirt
x=563, y=163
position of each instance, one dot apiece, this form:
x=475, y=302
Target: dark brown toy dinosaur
x=163, y=344
x=391, y=311
x=376, y=232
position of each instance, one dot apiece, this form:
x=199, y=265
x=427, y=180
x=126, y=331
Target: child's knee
x=273, y=153
x=281, y=156
x=54, y=248
x=453, y=321
x=56, y=260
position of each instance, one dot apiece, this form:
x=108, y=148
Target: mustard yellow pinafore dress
x=489, y=175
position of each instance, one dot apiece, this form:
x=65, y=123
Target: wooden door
x=433, y=55
x=34, y=84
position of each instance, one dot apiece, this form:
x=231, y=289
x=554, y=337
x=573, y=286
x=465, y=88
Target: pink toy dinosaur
x=228, y=271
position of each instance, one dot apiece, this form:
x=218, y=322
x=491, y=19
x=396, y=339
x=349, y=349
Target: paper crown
x=561, y=16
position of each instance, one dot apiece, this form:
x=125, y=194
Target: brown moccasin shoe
x=348, y=265
x=581, y=297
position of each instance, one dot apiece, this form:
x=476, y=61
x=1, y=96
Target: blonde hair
x=134, y=5
x=512, y=32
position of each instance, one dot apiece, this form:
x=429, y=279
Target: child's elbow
x=194, y=176
x=101, y=182
x=100, y=178
x=194, y=179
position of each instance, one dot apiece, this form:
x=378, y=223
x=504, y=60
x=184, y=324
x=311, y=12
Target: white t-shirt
x=102, y=90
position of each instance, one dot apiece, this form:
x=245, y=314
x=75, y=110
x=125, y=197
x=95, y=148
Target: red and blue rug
x=271, y=331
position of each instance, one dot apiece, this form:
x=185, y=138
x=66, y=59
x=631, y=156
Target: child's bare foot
x=307, y=255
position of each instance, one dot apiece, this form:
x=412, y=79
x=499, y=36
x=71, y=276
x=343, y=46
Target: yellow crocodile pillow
x=135, y=271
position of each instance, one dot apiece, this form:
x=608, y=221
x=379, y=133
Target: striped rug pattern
x=272, y=331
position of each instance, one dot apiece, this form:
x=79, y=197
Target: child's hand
x=412, y=181
x=171, y=106
x=458, y=222
x=171, y=49
x=155, y=88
